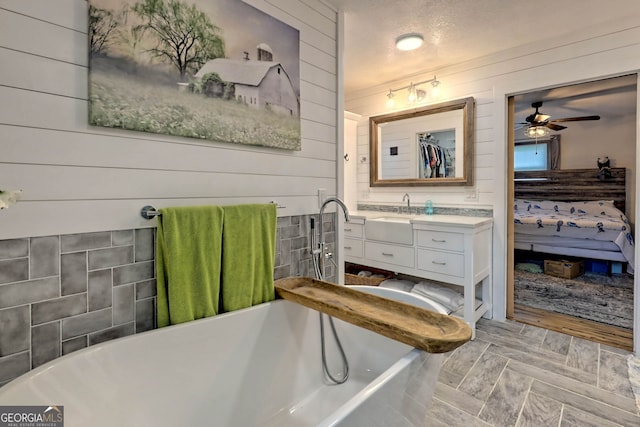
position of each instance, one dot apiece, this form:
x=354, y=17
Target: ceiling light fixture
x=536, y=131
x=409, y=41
x=415, y=94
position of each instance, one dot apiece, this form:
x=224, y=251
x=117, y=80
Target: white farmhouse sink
x=400, y=219
x=391, y=229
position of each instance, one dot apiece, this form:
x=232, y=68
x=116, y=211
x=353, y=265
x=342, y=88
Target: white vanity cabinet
x=445, y=248
x=459, y=253
x=353, y=240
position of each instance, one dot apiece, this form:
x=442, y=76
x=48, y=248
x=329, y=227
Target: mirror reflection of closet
x=436, y=151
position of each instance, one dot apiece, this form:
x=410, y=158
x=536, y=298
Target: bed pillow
x=532, y=206
x=591, y=207
x=599, y=207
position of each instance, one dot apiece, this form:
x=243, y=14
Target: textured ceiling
x=456, y=31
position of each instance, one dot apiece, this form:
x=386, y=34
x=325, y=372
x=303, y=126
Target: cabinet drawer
x=447, y=263
x=392, y=254
x=353, y=230
x=353, y=248
x=441, y=240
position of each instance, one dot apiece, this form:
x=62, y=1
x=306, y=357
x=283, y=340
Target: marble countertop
x=459, y=220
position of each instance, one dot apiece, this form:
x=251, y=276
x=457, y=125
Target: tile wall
x=419, y=210
x=62, y=293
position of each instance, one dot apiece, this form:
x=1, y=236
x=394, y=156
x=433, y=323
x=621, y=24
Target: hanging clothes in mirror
x=434, y=160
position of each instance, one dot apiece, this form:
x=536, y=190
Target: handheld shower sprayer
x=318, y=255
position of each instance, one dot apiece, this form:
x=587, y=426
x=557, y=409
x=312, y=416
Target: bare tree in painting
x=183, y=34
x=103, y=26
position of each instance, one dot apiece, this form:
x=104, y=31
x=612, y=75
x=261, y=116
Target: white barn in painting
x=262, y=83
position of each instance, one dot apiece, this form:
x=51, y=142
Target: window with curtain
x=531, y=156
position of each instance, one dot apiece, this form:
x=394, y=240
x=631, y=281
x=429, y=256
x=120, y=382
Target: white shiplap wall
x=592, y=54
x=79, y=178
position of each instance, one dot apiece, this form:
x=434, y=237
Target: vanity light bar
x=415, y=94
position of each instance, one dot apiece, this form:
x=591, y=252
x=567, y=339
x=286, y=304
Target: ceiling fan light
x=536, y=131
x=409, y=41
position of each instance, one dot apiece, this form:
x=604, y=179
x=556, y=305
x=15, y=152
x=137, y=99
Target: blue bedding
x=592, y=220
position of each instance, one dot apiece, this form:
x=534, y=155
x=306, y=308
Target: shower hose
x=315, y=254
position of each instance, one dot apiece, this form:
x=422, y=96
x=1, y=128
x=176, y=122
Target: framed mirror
x=425, y=146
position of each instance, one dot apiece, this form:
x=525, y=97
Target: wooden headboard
x=571, y=185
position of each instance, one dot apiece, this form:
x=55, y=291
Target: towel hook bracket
x=149, y=212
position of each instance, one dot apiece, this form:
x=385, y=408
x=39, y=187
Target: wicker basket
x=351, y=277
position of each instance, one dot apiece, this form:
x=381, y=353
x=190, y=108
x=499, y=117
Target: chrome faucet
x=408, y=199
x=321, y=246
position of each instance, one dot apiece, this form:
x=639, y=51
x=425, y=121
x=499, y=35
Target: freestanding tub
x=255, y=367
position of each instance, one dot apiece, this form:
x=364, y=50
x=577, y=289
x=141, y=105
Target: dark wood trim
x=593, y=331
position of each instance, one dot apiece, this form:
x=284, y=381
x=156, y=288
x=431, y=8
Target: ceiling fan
x=537, y=119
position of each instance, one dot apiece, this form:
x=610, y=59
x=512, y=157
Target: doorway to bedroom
x=571, y=226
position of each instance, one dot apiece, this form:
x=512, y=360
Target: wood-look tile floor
x=519, y=375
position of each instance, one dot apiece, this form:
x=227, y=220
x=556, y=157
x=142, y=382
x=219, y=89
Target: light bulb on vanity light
x=413, y=96
x=390, y=101
x=435, y=91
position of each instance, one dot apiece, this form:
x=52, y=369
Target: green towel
x=248, y=255
x=189, y=249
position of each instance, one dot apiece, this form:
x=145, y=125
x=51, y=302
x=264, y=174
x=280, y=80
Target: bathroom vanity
x=446, y=248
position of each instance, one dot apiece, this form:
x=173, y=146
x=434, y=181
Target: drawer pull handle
x=347, y=229
x=439, y=262
x=387, y=254
x=348, y=247
x=438, y=240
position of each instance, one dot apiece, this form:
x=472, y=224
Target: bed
x=593, y=229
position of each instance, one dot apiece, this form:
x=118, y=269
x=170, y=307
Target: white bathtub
x=255, y=367
x=407, y=297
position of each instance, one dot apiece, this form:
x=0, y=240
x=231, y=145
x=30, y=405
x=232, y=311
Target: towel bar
x=149, y=212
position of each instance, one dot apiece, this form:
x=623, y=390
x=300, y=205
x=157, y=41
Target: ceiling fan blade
x=555, y=127
x=539, y=118
x=577, y=119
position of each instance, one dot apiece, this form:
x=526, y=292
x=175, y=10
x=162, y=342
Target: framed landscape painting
x=218, y=70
